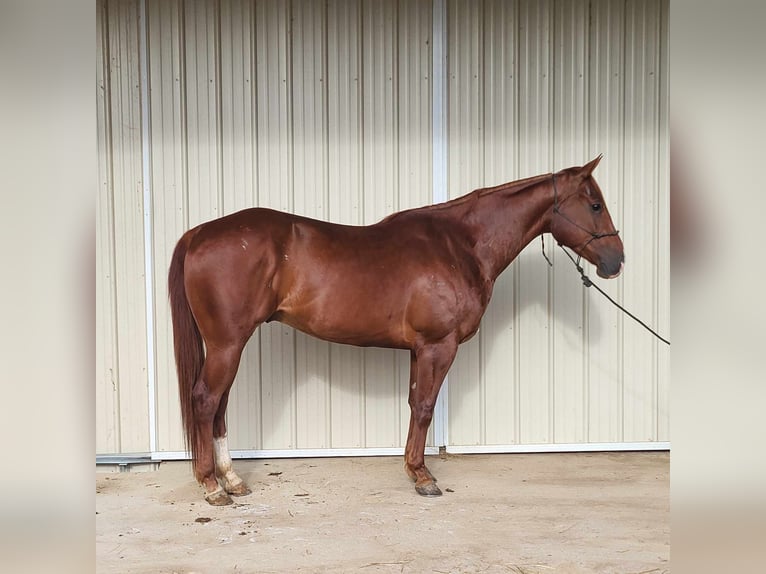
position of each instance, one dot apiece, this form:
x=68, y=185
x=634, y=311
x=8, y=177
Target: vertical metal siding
x=539, y=86
x=535, y=155
x=121, y=325
x=321, y=109
x=168, y=164
x=107, y=400
x=570, y=147
x=606, y=134
x=324, y=109
x=643, y=21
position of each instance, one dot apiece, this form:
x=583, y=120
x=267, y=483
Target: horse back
x=384, y=285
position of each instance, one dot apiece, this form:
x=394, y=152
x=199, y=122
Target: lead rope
x=585, y=279
x=588, y=283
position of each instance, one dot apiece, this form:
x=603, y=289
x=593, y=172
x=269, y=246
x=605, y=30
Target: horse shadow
x=533, y=312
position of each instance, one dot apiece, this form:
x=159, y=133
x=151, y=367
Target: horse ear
x=588, y=168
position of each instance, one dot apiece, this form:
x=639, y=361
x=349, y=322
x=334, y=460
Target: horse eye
x=596, y=207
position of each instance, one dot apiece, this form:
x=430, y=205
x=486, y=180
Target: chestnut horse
x=420, y=280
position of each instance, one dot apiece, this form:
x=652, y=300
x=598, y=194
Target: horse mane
x=510, y=187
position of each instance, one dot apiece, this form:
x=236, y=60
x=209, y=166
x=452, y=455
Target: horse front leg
x=428, y=367
x=229, y=480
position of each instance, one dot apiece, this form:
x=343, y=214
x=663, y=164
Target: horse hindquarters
x=204, y=381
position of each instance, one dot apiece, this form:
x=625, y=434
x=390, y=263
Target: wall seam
x=146, y=150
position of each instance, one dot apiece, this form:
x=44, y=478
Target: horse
x=418, y=280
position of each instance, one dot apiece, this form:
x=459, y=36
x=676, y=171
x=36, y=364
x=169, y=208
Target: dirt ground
x=520, y=513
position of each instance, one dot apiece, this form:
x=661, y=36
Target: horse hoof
x=239, y=490
x=428, y=489
x=218, y=498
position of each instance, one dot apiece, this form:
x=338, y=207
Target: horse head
x=581, y=221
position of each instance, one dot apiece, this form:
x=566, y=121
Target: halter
x=593, y=236
x=558, y=212
x=585, y=279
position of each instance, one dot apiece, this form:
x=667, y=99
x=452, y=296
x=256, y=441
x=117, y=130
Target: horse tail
x=187, y=341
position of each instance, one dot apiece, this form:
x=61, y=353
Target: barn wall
x=542, y=85
x=122, y=401
x=322, y=109
x=325, y=109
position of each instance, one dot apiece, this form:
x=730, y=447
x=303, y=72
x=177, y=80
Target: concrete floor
x=521, y=513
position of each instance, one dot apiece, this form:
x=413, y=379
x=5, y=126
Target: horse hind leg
x=229, y=480
x=214, y=382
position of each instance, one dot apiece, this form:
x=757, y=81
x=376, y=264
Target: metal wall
x=322, y=109
x=541, y=85
x=122, y=401
x=325, y=109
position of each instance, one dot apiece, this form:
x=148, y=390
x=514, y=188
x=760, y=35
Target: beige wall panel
x=564, y=81
x=534, y=319
x=129, y=371
x=324, y=109
x=107, y=396
x=604, y=322
x=641, y=197
x=169, y=190
x=570, y=147
x=201, y=93
x=663, y=237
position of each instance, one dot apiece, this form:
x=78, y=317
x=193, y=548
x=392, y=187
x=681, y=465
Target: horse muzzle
x=609, y=269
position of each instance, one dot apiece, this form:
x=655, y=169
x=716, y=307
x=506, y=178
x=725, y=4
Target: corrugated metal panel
x=570, y=147
x=107, y=402
x=643, y=23
x=318, y=108
x=604, y=322
x=169, y=189
x=122, y=421
x=535, y=155
x=324, y=109
x=537, y=86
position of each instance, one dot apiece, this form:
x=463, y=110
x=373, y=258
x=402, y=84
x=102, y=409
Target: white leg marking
x=223, y=466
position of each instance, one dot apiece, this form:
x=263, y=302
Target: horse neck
x=505, y=219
